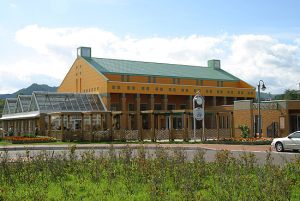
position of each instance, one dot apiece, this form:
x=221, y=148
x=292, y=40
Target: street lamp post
x=259, y=123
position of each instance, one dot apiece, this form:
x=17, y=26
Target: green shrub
x=245, y=131
x=168, y=175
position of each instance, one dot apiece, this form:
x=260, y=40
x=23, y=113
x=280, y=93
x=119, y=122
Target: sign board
x=198, y=113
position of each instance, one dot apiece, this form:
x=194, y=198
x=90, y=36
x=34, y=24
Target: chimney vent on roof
x=84, y=52
x=216, y=64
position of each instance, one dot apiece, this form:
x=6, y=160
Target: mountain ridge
x=29, y=90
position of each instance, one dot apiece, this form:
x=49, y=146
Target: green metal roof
x=158, y=69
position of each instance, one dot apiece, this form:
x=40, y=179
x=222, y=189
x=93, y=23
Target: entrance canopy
x=24, y=106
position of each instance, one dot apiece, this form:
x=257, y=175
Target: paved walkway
x=150, y=146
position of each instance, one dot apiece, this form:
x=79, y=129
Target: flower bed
x=242, y=141
x=25, y=140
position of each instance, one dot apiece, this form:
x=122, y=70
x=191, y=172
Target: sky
x=255, y=40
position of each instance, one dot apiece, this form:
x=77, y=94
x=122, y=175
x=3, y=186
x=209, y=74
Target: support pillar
x=91, y=135
x=218, y=125
x=171, y=127
x=152, y=127
x=82, y=127
x=186, y=130
x=62, y=125
x=152, y=117
x=124, y=115
x=102, y=122
x=165, y=102
x=41, y=127
x=190, y=102
x=49, y=125
x=138, y=115
x=158, y=122
x=214, y=103
x=109, y=124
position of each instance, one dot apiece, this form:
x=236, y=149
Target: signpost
x=198, y=112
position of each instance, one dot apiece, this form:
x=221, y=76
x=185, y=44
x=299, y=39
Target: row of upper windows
x=145, y=106
x=152, y=79
x=95, y=89
x=143, y=88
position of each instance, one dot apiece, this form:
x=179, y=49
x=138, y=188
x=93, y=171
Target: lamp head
x=263, y=87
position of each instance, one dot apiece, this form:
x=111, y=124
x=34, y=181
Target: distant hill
x=29, y=90
x=265, y=96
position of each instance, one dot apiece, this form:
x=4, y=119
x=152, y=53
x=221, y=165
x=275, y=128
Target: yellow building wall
x=172, y=89
x=113, y=77
x=83, y=78
x=188, y=82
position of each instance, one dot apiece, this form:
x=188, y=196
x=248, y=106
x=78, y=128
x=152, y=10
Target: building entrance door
x=294, y=122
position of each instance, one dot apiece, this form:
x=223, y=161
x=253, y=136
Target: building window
x=130, y=107
x=147, y=88
x=154, y=79
x=170, y=89
x=182, y=90
x=157, y=106
x=143, y=106
x=143, y=88
x=174, y=89
x=118, y=87
x=156, y=89
x=161, y=89
x=186, y=90
x=174, y=80
x=114, y=107
x=171, y=107
x=128, y=87
x=133, y=88
x=183, y=106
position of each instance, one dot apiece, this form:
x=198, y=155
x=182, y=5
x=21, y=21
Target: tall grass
x=133, y=175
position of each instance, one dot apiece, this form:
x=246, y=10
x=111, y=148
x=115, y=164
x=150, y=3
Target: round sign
x=198, y=113
x=199, y=100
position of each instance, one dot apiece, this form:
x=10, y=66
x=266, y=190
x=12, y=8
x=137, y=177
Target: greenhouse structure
x=61, y=115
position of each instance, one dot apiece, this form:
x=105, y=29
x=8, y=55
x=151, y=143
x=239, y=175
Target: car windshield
x=295, y=135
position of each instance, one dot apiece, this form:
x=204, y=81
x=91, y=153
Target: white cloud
x=250, y=57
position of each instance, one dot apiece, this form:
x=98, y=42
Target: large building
x=147, y=95
x=133, y=100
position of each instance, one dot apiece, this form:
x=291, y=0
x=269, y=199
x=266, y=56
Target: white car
x=291, y=142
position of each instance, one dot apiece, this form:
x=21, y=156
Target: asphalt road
x=14, y=152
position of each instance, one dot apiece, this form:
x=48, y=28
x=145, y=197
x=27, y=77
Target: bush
x=245, y=131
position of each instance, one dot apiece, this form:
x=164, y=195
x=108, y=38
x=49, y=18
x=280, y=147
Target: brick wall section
x=270, y=116
x=242, y=117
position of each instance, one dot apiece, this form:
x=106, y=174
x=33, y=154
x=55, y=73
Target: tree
x=290, y=94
